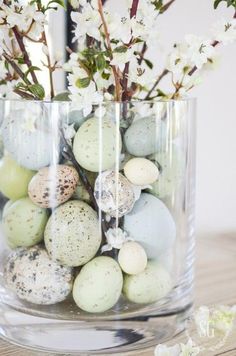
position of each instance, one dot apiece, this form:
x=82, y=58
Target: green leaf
x=100, y=62
x=158, y=4
x=83, y=82
x=148, y=63
x=120, y=49
x=30, y=70
x=229, y=3
x=59, y=2
x=37, y=90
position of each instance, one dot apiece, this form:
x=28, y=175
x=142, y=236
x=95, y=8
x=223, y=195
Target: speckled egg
x=132, y=258
x=6, y=207
x=114, y=193
x=149, y=286
x=98, y=286
x=14, y=179
x=141, y=171
x=96, y=144
x=28, y=141
x=143, y=137
x=24, y=223
x=53, y=186
x=72, y=235
x=151, y=224
x=172, y=173
x=35, y=278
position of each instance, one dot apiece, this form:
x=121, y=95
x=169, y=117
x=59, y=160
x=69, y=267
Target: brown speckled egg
x=35, y=278
x=114, y=193
x=53, y=186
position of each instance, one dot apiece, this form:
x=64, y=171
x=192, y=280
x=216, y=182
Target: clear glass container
x=97, y=227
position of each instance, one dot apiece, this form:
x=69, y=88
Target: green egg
x=96, y=144
x=172, y=172
x=98, y=286
x=149, y=286
x=72, y=235
x=14, y=179
x=63, y=96
x=6, y=207
x=24, y=223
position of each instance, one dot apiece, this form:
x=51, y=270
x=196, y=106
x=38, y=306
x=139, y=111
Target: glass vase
x=97, y=228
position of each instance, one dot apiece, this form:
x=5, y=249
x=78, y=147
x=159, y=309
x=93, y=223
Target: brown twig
x=26, y=58
x=107, y=35
x=162, y=75
x=23, y=94
x=16, y=68
x=166, y=6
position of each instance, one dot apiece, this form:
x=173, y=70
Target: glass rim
x=102, y=103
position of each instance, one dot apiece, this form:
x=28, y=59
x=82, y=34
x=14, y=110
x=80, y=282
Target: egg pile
x=58, y=229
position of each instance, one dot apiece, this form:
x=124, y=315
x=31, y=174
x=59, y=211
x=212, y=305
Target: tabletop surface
x=215, y=284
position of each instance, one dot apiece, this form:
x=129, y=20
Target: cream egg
x=151, y=224
x=72, y=235
x=114, y=193
x=132, y=258
x=148, y=286
x=53, y=186
x=97, y=144
x=141, y=171
x=34, y=277
x=24, y=223
x=98, y=285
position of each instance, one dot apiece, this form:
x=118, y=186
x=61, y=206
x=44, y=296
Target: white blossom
x=7, y=90
x=116, y=237
x=199, y=50
x=189, y=349
x=224, y=31
x=121, y=58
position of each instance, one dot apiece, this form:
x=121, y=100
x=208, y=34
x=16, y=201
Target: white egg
x=141, y=171
x=151, y=224
x=98, y=286
x=132, y=258
x=28, y=141
x=114, y=193
x=149, y=286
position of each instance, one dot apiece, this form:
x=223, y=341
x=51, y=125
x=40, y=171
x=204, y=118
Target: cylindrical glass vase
x=97, y=228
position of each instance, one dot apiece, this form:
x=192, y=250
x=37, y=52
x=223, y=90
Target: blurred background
x=216, y=117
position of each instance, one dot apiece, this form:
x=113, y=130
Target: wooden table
x=215, y=284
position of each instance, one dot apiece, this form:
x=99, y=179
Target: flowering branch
x=51, y=68
x=162, y=75
x=115, y=73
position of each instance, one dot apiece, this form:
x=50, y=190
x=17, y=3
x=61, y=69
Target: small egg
x=72, y=235
x=28, y=141
x=141, y=171
x=114, y=193
x=172, y=173
x=151, y=224
x=6, y=207
x=143, y=137
x=35, y=278
x=24, y=223
x=149, y=286
x=96, y=144
x=14, y=179
x=98, y=286
x=53, y=186
x=132, y=258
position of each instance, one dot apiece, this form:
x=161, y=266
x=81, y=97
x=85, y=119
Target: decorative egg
x=148, y=286
x=132, y=258
x=24, y=223
x=72, y=235
x=53, y=185
x=98, y=286
x=114, y=193
x=62, y=96
x=97, y=144
x=141, y=171
x=151, y=224
x=28, y=141
x=14, y=179
x=172, y=173
x=144, y=137
x=6, y=207
x=35, y=278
